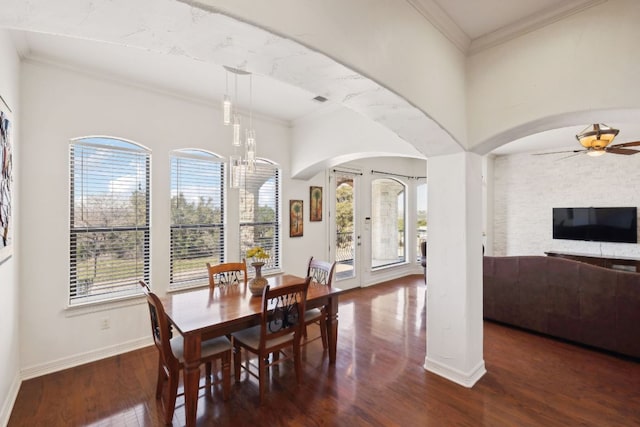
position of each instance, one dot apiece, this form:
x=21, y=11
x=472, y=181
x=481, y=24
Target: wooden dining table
x=206, y=313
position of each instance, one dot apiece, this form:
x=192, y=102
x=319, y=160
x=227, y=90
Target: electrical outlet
x=104, y=323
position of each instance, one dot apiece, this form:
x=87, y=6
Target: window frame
x=273, y=264
x=401, y=233
x=140, y=155
x=197, y=155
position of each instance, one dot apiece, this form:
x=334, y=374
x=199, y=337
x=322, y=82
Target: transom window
x=109, y=219
x=388, y=199
x=259, y=212
x=197, y=216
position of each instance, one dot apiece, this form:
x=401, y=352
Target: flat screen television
x=596, y=224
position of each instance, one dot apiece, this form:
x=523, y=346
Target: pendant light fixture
x=231, y=115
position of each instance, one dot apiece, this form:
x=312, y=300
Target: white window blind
x=109, y=219
x=260, y=212
x=197, y=215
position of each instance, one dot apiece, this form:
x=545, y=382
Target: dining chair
x=171, y=360
x=280, y=327
x=229, y=273
x=321, y=273
x=423, y=258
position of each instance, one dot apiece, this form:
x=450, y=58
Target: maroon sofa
x=579, y=302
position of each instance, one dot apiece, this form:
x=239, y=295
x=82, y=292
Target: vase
x=257, y=284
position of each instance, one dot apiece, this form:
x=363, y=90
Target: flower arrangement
x=257, y=254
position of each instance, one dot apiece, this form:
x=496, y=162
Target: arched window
x=197, y=216
x=388, y=199
x=260, y=212
x=421, y=216
x=109, y=218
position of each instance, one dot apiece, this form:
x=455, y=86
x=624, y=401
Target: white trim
x=531, y=23
x=466, y=379
x=442, y=22
x=10, y=400
x=82, y=358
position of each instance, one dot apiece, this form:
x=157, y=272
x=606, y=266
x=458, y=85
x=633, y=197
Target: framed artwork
x=296, y=226
x=315, y=201
x=6, y=178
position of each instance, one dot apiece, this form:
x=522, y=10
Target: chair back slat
x=230, y=273
x=321, y=271
x=283, y=311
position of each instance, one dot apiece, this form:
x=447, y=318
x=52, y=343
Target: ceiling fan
x=596, y=140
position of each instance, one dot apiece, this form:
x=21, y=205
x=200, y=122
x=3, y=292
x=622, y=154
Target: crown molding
x=531, y=23
x=433, y=13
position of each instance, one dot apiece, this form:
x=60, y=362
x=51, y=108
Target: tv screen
x=596, y=224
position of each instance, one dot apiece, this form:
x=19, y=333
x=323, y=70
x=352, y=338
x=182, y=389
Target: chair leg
x=172, y=393
x=323, y=330
x=208, y=379
x=262, y=375
x=297, y=361
x=226, y=375
x=237, y=361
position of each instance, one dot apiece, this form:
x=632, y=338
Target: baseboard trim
x=466, y=379
x=81, y=359
x=10, y=400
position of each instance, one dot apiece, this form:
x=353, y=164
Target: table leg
x=332, y=328
x=191, y=378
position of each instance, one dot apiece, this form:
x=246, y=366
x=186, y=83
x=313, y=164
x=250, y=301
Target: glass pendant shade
x=597, y=136
x=250, y=153
x=226, y=110
x=235, y=171
x=236, y=131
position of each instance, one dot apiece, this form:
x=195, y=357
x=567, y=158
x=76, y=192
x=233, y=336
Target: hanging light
x=237, y=164
x=226, y=102
x=597, y=136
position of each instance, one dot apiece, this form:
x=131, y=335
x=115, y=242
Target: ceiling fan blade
x=627, y=144
x=559, y=152
x=625, y=151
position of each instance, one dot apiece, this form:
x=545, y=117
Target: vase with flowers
x=258, y=256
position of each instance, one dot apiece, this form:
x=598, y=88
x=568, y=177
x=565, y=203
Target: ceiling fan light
x=597, y=136
x=595, y=152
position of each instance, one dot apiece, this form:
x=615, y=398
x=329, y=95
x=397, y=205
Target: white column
x=454, y=268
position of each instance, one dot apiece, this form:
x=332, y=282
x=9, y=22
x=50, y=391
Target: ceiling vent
x=320, y=98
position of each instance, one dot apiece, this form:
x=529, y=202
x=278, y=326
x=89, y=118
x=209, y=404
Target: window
x=388, y=222
x=421, y=215
x=109, y=219
x=260, y=212
x=197, y=215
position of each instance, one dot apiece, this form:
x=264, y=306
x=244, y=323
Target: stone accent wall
x=527, y=187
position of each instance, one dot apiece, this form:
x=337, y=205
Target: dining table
x=204, y=313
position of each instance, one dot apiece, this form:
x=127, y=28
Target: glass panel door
x=345, y=229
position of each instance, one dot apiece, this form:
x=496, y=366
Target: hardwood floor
x=378, y=380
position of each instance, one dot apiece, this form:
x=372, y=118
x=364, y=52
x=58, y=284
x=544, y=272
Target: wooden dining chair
x=230, y=273
x=171, y=360
x=321, y=273
x=280, y=327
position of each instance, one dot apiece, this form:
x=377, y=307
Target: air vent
x=320, y=98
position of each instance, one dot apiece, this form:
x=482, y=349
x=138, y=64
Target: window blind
x=197, y=215
x=109, y=219
x=260, y=212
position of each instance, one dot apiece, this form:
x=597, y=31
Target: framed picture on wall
x=296, y=225
x=315, y=203
x=6, y=179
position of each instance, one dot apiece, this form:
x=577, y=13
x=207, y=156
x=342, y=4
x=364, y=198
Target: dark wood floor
x=378, y=380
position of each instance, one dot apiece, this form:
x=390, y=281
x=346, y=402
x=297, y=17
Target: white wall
x=583, y=63
x=61, y=104
x=9, y=277
x=527, y=187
